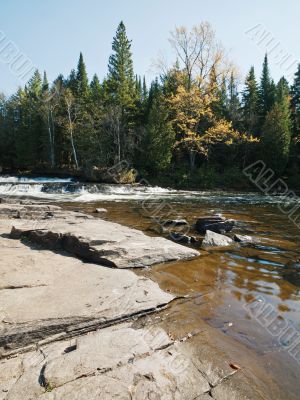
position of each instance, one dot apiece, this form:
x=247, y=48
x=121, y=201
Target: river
x=232, y=282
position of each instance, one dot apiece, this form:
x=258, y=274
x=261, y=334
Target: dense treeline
x=191, y=126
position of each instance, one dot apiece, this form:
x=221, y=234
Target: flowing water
x=234, y=281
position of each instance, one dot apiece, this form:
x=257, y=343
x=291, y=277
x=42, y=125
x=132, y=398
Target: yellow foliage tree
x=222, y=132
x=189, y=105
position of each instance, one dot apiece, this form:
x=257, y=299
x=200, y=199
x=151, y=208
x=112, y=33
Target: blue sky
x=51, y=33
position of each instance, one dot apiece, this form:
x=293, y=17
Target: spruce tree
x=295, y=103
x=120, y=70
x=34, y=86
x=71, y=82
x=220, y=106
x=250, y=98
x=122, y=96
x=160, y=136
x=45, y=84
x=266, y=91
x=82, y=81
x=144, y=90
x=31, y=143
x=234, y=106
x=282, y=94
x=96, y=89
x=276, y=135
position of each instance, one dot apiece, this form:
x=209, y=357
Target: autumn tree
x=198, y=53
x=189, y=105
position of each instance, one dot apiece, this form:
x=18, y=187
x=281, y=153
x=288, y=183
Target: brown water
x=227, y=280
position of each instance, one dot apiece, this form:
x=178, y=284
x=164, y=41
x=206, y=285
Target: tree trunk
x=192, y=155
x=72, y=140
x=53, y=140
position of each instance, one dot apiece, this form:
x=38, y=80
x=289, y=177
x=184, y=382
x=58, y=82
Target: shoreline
x=145, y=339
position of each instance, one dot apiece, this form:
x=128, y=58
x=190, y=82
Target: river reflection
x=228, y=279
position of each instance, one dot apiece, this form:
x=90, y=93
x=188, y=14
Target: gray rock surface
x=100, y=210
x=214, y=224
x=213, y=239
x=102, y=242
x=43, y=293
x=181, y=238
x=115, y=363
x=243, y=239
x=63, y=334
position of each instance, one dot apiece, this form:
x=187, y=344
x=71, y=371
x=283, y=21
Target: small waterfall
x=69, y=190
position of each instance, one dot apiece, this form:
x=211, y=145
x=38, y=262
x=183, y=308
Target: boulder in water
x=214, y=224
x=100, y=210
x=179, y=237
x=175, y=222
x=213, y=239
x=243, y=239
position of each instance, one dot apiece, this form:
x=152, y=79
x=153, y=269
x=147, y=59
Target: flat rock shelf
x=72, y=328
x=97, y=240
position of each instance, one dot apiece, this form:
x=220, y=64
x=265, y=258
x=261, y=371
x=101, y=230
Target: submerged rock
x=100, y=210
x=180, y=237
x=175, y=222
x=243, y=239
x=213, y=239
x=214, y=224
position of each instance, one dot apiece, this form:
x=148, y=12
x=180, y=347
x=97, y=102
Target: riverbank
x=74, y=329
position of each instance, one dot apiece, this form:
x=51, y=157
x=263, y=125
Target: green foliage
x=82, y=83
x=276, y=137
x=121, y=84
x=188, y=130
x=295, y=102
x=160, y=137
x=266, y=91
x=234, y=105
x=250, y=97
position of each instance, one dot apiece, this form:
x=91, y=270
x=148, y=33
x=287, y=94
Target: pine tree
x=160, y=136
x=34, y=86
x=276, y=136
x=82, y=81
x=138, y=88
x=234, y=106
x=121, y=77
x=295, y=103
x=122, y=97
x=266, y=91
x=144, y=90
x=71, y=82
x=45, y=84
x=30, y=141
x=96, y=89
x=220, y=106
x=250, y=98
x=282, y=94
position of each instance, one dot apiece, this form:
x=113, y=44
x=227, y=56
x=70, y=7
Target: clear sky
x=51, y=33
